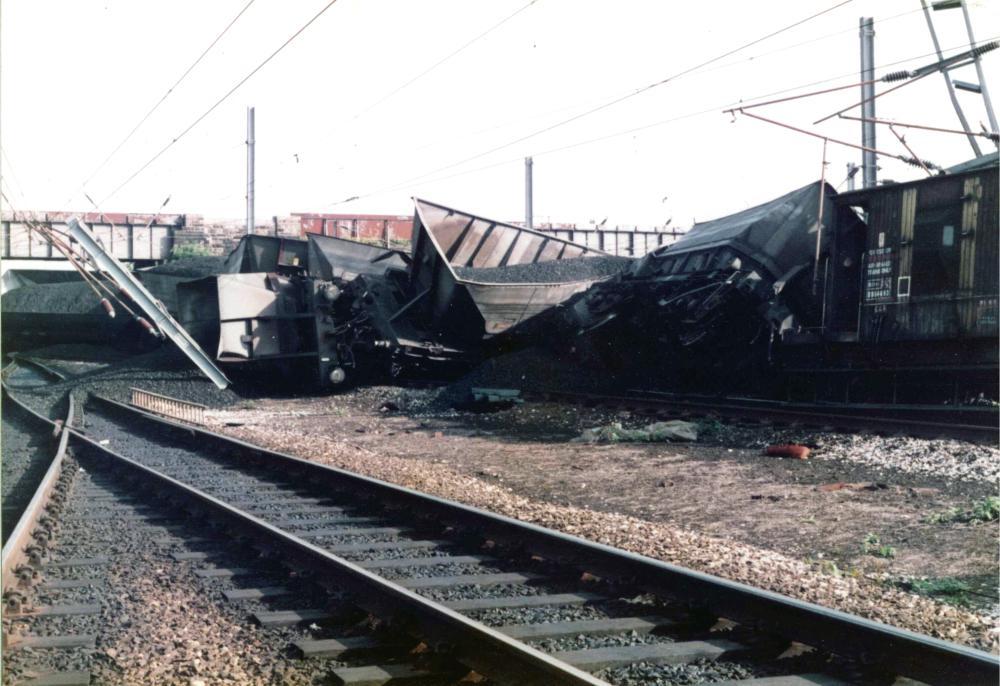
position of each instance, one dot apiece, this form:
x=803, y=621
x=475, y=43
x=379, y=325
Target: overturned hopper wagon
x=481, y=278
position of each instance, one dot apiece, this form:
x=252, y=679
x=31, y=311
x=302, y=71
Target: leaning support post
x=948, y=83
x=819, y=220
x=983, y=90
x=145, y=300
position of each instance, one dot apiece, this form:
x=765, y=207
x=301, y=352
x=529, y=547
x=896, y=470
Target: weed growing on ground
x=946, y=589
x=871, y=545
x=180, y=252
x=830, y=567
x=985, y=510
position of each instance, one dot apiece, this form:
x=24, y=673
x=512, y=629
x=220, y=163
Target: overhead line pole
x=528, y=192
x=869, y=161
x=250, y=144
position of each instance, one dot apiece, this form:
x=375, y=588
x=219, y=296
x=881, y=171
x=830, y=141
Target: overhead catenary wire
x=10, y=168
x=453, y=53
x=219, y=101
x=816, y=39
x=594, y=100
x=422, y=74
x=78, y=260
x=643, y=89
x=902, y=158
x=988, y=135
x=163, y=98
x=746, y=102
x=599, y=99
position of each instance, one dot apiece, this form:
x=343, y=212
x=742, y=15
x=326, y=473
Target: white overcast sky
x=77, y=75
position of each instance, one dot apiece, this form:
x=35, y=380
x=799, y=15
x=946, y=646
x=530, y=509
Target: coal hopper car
x=338, y=312
x=711, y=306
x=882, y=295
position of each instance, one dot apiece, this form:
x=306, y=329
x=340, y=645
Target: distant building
x=387, y=229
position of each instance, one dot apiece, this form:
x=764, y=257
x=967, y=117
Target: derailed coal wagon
x=883, y=295
x=338, y=312
x=711, y=305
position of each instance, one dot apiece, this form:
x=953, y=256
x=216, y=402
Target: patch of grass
x=944, y=516
x=985, y=510
x=831, y=568
x=945, y=589
x=872, y=545
x=181, y=252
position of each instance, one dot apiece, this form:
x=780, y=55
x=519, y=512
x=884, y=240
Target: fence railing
x=169, y=407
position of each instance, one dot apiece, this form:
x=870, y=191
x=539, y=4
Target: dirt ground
x=815, y=510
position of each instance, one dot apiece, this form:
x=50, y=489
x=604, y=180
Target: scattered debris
x=658, y=432
x=856, y=486
x=490, y=399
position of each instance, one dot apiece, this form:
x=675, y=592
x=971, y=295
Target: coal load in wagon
x=56, y=313
x=551, y=271
x=480, y=278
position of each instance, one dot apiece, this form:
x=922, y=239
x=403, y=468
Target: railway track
x=27, y=452
x=442, y=589
x=980, y=424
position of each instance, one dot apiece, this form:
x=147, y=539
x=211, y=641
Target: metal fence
x=169, y=407
x=623, y=242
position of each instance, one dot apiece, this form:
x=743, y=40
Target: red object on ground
x=799, y=452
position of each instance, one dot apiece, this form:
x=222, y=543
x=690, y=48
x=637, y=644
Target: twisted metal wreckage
x=799, y=287
x=798, y=295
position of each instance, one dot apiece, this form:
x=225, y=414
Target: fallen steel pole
x=145, y=300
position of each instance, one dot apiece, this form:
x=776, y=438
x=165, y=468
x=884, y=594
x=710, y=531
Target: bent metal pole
x=153, y=308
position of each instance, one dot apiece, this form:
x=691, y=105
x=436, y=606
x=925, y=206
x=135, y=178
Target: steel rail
x=17, y=358
x=475, y=645
x=482, y=648
x=16, y=551
x=902, y=652
x=923, y=421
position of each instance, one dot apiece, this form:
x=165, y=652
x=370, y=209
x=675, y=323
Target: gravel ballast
x=158, y=623
x=25, y=457
x=730, y=559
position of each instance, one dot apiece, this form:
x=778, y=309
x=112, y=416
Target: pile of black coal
x=53, y=298
x=189, y=267
x=535, y=369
